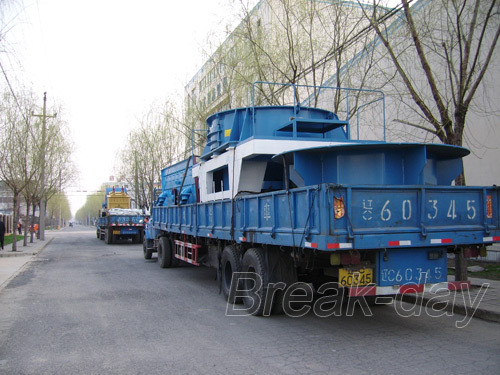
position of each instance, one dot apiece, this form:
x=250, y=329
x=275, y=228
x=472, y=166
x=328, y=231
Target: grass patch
x=491, y=270
x=8, y=239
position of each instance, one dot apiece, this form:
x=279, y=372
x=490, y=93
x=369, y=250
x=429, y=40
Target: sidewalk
x=11, y=263
x=481, y=300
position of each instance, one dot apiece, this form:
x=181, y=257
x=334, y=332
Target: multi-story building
x=336, y=48
x=265, y=48
x=7, y=207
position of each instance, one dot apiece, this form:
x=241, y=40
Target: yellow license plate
x=116, y=232
x=363, y=276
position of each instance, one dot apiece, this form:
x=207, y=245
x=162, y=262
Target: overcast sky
x=106, y=61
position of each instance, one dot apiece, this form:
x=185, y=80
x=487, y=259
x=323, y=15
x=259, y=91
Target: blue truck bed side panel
x=376, y=217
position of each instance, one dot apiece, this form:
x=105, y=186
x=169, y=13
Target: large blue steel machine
x=283, y=195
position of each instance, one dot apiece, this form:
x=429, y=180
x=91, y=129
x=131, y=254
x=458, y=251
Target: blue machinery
x=284, y=193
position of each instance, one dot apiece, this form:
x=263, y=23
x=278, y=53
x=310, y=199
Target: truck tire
x=164, y=252
x=108, y=236
x=148, y=253
x=256, y=281
x=285, y=272
x=230, y=263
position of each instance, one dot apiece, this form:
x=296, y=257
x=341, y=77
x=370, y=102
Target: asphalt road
x=84, y=307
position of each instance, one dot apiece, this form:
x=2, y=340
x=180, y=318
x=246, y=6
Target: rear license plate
x=116, y=232
x=363, y=276
x=129, y=231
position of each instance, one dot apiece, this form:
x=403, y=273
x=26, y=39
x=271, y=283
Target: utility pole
x=136, y=181
x=43, y=203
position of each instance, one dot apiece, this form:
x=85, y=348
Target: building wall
x=7, y=220
x=212, y=89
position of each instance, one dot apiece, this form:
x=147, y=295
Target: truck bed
x=374, y=217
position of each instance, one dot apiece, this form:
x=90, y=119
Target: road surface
x=84, y=307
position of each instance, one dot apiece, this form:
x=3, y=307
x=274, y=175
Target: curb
x=483, y=314
x=44, y=246
x=25, y=265
x=20, y=253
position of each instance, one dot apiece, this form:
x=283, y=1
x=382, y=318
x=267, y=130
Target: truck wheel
x=164, y=252
x=148, y=253
x=255, y=283
x=108, y=236
x=284, y=272
x=231, y=262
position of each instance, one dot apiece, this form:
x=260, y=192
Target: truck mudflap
x=373, y=290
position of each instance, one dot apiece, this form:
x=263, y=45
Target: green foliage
x=156, y=142
x=57, y=205
x=92, y=206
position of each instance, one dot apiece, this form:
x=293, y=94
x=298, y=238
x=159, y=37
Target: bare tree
x=155, y=144
x=18, y=167
x=304, y=43
x=441, y=51
x=59, y=170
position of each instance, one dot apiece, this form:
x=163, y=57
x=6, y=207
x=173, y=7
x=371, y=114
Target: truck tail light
x=339, y=208
x=489, y=207
x=350, y=258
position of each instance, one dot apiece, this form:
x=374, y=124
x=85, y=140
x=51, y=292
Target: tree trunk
x=39, y=221
x=32, y=223
x=15, y=220
x=26, y=223
x=460, y=260
x=460, y=266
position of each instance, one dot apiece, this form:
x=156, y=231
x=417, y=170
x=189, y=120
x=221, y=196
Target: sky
x=105, y=62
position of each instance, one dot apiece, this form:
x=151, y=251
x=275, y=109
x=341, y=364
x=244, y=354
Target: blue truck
x=117, y=221
x=283, y=195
